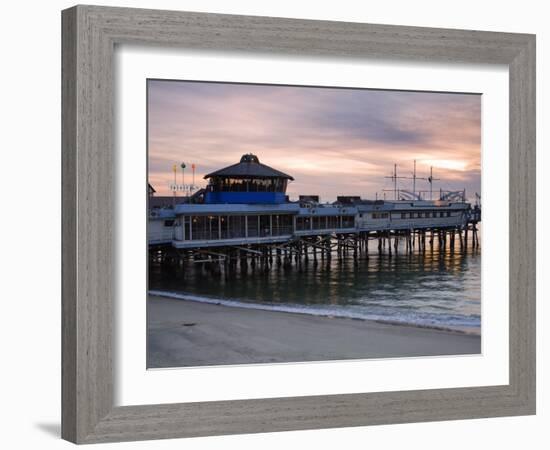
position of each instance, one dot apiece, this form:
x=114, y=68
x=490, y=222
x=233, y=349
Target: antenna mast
x=394, y=178
x=431, y=179
x=414, y=178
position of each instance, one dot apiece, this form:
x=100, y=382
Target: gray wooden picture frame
x=90, y=34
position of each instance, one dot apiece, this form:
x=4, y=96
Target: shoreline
x=183, y=333
x=298, y=309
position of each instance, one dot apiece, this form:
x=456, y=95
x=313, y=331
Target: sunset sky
x=332, y=141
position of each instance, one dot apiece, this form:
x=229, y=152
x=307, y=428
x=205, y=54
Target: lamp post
x=183, y=166
x=174, y=169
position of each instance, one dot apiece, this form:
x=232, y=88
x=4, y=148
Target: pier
x=225, y=260
x=244, y=221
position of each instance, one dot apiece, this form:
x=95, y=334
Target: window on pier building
x=281, y=224
x=202, y=227
x=265, y=226
x=333, y=222
x=214, y=227
x=349, y=221
x=199, y=228
x=303, y=223
x=222, y=184
x=253, y=226
x=448, y=213
x=319, y=222
x=324, y=222
x=403, y=215
x=187, y=228
x=236, y=227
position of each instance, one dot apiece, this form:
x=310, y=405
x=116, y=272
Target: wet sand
x=186, y=333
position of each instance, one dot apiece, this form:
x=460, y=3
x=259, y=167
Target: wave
x=462, y=324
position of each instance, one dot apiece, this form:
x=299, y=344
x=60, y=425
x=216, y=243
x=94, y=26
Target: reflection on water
x=434, y=288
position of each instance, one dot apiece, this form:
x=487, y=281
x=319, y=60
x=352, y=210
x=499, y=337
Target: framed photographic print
x=278, y=224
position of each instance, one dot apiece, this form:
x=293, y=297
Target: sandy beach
x=186, y=333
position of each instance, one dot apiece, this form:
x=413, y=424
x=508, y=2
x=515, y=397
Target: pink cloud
x=332, y=141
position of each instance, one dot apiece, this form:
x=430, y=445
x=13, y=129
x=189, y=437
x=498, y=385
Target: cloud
x=333, y=141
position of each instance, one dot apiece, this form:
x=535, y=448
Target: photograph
x=299, y=223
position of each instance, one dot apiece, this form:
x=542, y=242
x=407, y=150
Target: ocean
x=435, y=289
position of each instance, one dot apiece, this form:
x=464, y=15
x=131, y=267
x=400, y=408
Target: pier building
x=245, y=212
x=247, y=182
